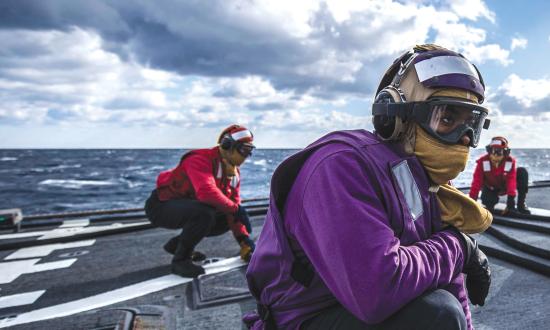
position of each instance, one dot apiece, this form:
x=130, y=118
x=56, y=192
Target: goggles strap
x=401, y=110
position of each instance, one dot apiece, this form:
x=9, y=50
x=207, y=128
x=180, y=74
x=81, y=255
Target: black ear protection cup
x=391, y=127
x=227, y=142
x=388, y=127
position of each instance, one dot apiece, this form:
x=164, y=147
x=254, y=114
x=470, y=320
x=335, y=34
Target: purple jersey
x=360, y=211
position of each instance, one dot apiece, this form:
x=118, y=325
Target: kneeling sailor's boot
x=182, y=264
x=172, y=245
x=522, y=208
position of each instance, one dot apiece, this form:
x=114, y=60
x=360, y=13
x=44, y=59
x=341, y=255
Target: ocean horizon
x=66, y=180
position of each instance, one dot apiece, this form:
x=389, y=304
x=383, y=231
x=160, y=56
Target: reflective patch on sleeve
x=507, y=166
x=486, y=166
x=219, y=174
x=407, y=184
x=235, y=181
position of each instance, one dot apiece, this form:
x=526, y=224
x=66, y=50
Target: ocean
x=65, y=180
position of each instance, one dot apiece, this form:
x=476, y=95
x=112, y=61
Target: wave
x=53, y=168
x=8, y=159
x=61, y=167
x=261, y=162
x=74, y=184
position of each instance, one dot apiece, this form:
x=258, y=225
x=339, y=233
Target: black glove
x=249, y=242
x=242, y=216
x=476, y=268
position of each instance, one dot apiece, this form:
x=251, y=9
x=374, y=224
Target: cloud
x=325, y=47
x=70, y=72
x=482, y=54
x=295, y=120
x=203, y=64
x=518, y=96
x=472, y=9
x=518, y=43
x=521, y=131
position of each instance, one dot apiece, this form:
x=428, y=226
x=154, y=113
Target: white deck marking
x=11, y=270
x=534, y=210
x=44, y=250
x=22, y=235
x=20, y=299
x=71, y=231
x=115, y=296
x=75, y=223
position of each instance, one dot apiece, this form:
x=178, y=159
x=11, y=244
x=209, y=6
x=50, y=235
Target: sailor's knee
x=206, y=215
x=522, y=174
x=447, y=311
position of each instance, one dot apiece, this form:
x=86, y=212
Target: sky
x=173, y=74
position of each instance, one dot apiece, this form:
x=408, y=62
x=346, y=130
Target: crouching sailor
x=201, y=197
x=496, y=174
x=363, y=230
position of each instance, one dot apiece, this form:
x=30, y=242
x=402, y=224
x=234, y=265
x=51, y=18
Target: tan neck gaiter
x=443, y=163
x=229, y=169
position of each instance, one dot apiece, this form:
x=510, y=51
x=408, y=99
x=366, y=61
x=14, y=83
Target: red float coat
x=501, y=178
x=200, y=176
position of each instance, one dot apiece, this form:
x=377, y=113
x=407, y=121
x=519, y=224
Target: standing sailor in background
x=496, y=175
x=201, y=197
x=363, y=230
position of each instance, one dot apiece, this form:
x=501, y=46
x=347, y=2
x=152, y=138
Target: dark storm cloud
x=265, y=106
x=512, y=106
x=204, y=38
x=62, y=14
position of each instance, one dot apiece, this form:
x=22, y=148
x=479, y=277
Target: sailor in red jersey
x=201, y=196
x=496, y=175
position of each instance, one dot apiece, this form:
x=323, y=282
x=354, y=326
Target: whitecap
x=260, y=162
x=60, y=167
x=74, y=184
x=8, y=159
x=55, y=168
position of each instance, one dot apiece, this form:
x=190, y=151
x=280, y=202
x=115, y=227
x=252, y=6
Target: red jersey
x=200, y=176
x=501, y=178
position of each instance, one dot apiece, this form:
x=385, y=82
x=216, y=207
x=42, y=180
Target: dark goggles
x=497, y=151
x=245, y=150
x=446, y=119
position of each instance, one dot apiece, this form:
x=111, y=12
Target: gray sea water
x=61, y=180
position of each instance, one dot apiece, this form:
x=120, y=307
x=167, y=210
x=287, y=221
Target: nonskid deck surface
x=124, y=278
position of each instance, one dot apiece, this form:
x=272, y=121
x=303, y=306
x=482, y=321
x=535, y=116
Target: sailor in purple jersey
x=363, y=230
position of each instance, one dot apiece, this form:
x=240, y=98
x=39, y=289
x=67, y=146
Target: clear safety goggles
x=446, y=119
x=449, y=120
